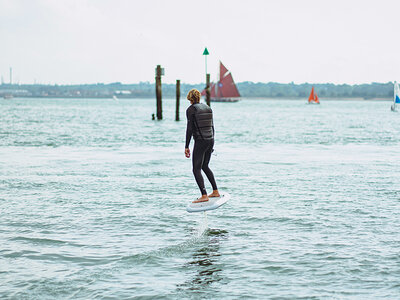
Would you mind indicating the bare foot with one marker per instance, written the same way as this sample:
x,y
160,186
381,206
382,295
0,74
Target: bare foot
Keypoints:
x,y
215,193
203,198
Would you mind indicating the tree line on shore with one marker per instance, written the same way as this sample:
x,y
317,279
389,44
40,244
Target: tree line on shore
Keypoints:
x,y
246,89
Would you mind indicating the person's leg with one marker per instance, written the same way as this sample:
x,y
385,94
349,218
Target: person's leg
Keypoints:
x,y
207,170
197,160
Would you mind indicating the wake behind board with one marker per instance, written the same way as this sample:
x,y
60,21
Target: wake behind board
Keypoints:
x,y
211,204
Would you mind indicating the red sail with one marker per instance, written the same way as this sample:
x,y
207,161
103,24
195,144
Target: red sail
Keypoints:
x,y
316,98
227,87
222,71
212,91
311,97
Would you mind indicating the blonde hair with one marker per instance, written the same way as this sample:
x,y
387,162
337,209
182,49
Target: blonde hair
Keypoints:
x,y
194,96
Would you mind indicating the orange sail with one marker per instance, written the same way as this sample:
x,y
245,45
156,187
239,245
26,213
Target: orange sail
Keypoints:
x,y
313,98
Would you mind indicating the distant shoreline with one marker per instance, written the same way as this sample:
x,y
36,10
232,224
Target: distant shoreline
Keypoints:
x,y
243,98
272,90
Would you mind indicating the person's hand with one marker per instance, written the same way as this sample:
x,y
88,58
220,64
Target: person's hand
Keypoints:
x,y
187,152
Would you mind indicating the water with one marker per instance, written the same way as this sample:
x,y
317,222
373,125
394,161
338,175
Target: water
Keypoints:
x,y
93,196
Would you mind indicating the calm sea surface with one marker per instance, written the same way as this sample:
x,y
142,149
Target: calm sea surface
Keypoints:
x,y
93,196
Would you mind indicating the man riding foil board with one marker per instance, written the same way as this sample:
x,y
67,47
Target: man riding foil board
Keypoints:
x,y
200,124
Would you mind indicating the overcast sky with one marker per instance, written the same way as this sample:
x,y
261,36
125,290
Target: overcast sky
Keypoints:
x,y
90,41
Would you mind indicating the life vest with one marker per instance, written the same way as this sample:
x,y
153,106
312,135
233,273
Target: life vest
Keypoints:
x,y
203,122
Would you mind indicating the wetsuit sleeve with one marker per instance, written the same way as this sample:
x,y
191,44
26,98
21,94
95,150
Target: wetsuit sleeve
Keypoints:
x,y
189,126
213,126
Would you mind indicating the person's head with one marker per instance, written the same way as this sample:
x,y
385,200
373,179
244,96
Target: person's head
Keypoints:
x,y
193,96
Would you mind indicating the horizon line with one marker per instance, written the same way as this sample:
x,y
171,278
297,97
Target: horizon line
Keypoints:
x,y
187,83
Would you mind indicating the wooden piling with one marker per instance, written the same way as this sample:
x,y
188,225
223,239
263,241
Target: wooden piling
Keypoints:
x,y
178,96
208,96
158,92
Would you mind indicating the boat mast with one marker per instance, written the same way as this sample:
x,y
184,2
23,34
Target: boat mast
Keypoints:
x,y
206,53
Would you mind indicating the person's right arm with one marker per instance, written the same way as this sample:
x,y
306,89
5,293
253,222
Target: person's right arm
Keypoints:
x,y
189,130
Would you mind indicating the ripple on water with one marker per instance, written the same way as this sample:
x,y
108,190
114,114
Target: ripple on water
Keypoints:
x,y
94,194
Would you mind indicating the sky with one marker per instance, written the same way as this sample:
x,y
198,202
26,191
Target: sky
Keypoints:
x,y
104,41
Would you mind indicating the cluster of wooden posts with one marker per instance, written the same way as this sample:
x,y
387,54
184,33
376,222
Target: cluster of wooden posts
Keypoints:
x,y
159,73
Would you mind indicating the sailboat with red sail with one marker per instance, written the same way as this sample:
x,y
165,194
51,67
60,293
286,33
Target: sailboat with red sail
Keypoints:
x,y
225,89
313,98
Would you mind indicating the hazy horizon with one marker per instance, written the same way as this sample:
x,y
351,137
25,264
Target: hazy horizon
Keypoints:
x,y
88,42
191,83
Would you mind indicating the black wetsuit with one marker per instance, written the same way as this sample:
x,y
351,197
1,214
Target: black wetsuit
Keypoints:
x,y
200,125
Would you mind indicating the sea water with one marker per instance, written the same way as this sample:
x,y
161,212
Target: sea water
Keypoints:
x,y
93,196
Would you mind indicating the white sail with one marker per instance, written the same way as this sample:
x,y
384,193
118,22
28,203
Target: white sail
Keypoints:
x,y
396,96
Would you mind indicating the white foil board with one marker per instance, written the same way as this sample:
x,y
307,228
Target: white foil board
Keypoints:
x,y
211,204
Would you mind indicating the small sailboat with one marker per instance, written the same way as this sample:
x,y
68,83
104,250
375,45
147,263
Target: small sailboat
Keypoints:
x,y
396,97
313,98
225,90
